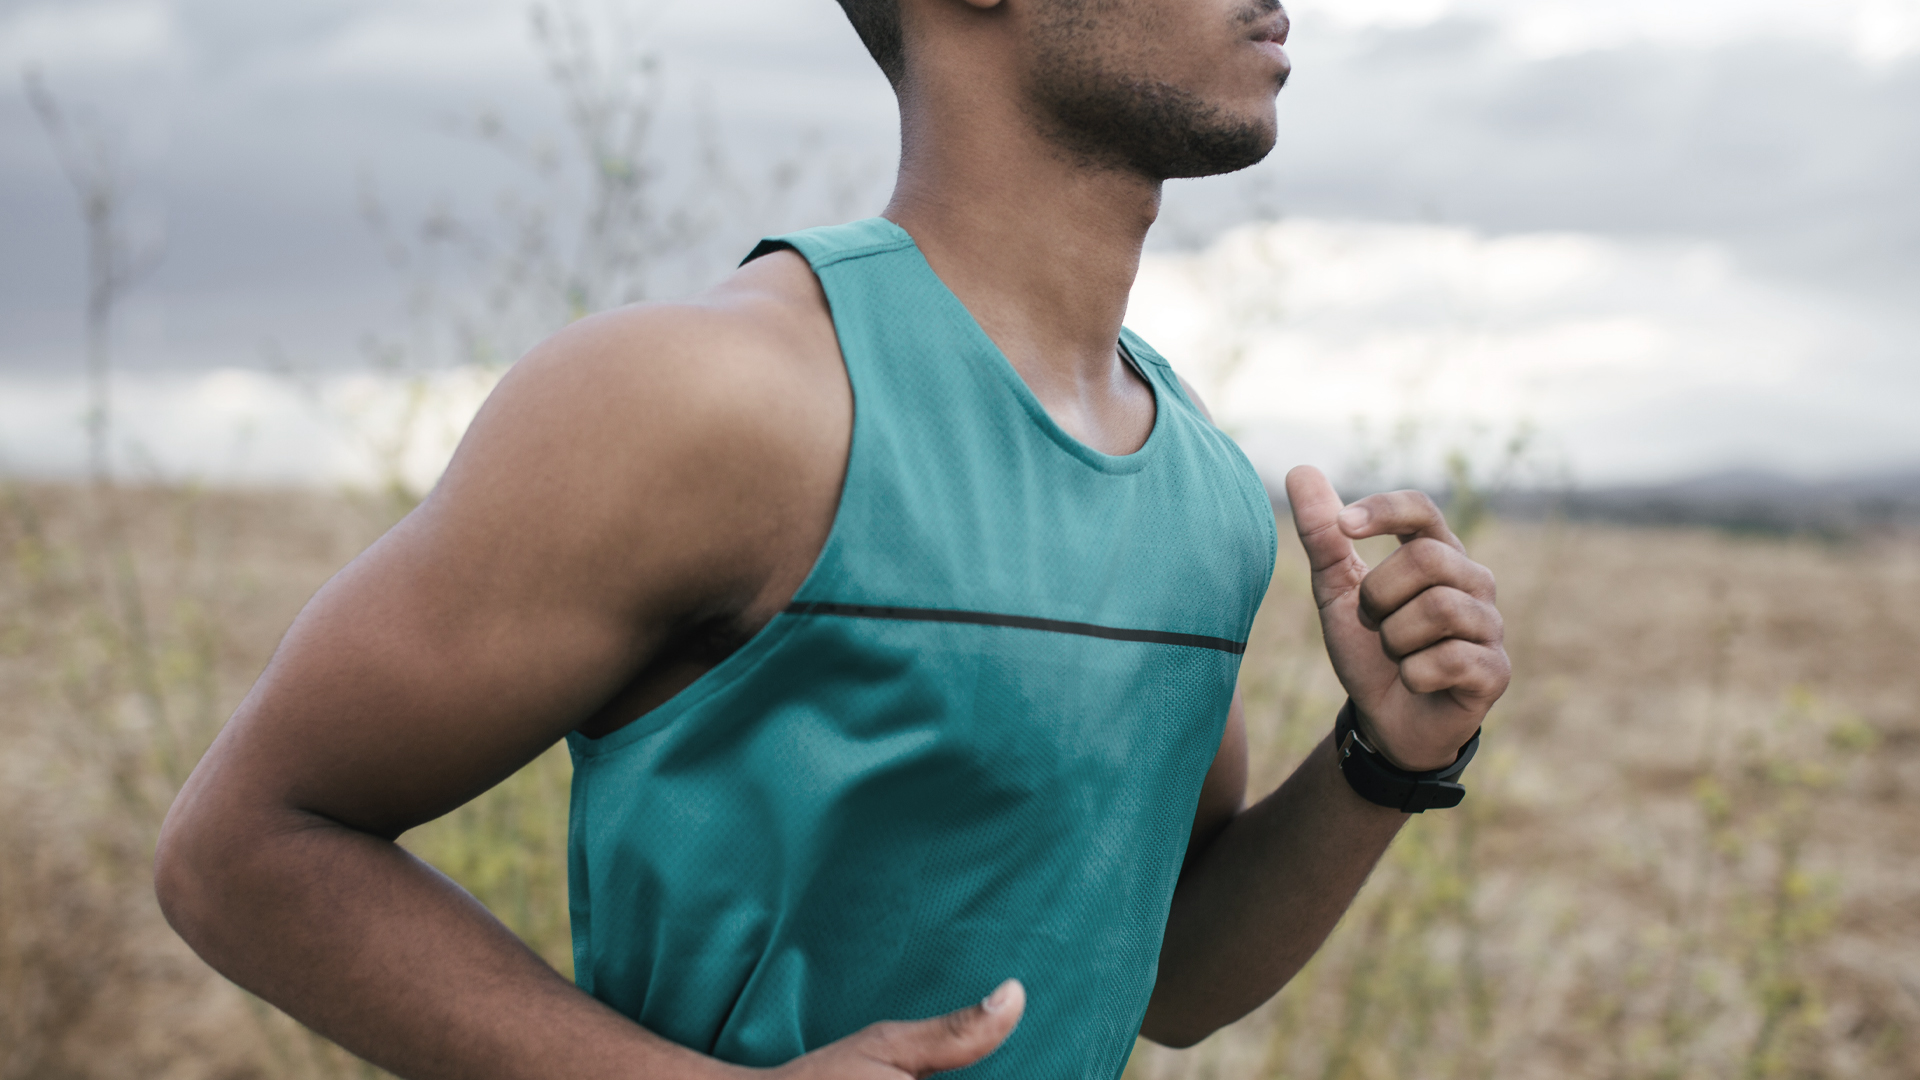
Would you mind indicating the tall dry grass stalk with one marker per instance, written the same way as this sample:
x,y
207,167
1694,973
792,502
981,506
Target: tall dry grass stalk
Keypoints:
x,y
1687,851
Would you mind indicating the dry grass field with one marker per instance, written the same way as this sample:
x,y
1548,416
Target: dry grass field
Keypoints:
x,y
1689,848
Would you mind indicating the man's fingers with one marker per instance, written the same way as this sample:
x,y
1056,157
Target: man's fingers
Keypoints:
x,y
1418,565
954,1041
1471,671
1435,615
1405,514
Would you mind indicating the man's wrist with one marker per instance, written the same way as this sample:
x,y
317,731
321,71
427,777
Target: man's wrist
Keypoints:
x,y
1376,779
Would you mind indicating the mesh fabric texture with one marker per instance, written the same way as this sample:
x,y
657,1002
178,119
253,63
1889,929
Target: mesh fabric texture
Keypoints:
x,y
858,819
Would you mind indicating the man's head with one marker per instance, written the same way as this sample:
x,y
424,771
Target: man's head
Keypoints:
x,y
1165,88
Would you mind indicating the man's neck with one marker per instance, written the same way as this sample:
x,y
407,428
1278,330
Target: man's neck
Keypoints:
x,y
1041,247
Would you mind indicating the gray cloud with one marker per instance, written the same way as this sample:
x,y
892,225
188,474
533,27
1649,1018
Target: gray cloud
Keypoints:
x,y
1796,155
251,127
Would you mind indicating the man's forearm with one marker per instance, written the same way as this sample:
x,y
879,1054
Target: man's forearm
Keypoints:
x,y
371,947
1257,903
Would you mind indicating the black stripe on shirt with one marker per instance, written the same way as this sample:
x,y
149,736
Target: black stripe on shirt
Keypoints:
x,y
1020,622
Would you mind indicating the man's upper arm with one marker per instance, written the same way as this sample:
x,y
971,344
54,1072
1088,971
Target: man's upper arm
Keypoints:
x,y
1223,794
624,480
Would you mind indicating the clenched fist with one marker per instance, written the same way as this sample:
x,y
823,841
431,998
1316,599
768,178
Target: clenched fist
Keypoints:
x,y
1416,641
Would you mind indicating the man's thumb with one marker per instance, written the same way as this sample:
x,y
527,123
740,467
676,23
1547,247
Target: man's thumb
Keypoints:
x,y
1316,517
953,1041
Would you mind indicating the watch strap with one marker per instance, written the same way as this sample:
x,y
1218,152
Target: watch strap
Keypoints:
x,y
1384,784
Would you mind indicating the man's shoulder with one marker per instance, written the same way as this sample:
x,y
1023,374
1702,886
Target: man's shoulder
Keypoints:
x,y
699,443
747,344
735,398
743,383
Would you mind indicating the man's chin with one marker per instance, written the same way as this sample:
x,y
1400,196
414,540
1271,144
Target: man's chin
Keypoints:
x,y
1221,150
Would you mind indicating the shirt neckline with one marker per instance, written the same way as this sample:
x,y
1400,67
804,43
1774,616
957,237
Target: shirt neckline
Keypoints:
x,y
997,362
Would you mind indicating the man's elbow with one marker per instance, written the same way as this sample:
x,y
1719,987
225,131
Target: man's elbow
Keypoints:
x,y
187,870
176,880
1175,1040
1174,1033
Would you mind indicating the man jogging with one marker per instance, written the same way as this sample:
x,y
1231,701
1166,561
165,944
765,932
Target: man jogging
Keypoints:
x,y
891,597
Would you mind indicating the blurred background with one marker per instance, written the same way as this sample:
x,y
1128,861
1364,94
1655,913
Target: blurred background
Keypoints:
x,y
1629,286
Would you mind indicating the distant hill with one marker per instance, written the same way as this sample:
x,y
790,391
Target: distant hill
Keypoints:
x,y
1737,500
1742,500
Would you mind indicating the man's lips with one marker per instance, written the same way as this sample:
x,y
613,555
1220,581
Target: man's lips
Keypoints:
x,y
1277,54
1270,35
1273,29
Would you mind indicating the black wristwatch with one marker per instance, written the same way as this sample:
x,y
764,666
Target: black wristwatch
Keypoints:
x,y
1381,783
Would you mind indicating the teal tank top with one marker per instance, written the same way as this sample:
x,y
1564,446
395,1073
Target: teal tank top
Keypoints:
x,y
970,749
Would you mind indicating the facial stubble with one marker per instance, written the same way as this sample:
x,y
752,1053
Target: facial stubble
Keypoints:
x,y
1092,108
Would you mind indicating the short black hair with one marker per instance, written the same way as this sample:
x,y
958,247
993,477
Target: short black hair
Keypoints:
x,y
878,24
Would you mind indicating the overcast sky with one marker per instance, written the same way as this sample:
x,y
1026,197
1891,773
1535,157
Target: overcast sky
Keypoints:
x,y
1710,206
